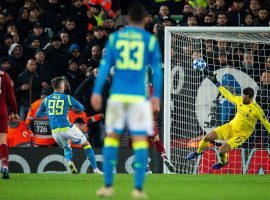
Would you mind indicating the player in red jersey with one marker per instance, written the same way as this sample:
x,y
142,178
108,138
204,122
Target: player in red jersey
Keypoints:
x,y
7,98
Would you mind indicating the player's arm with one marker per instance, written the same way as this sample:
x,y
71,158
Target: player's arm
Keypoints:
x,y
73,103
263,119
226,93
155,62
104,66
41,112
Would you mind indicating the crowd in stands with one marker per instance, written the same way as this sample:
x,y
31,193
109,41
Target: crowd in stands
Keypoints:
x,y
42,39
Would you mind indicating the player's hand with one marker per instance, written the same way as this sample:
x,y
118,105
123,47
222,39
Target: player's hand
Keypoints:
x,y
212,77
155,104
25,87
96,102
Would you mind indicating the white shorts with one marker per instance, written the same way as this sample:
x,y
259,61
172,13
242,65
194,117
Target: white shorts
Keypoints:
x,y
74,134
136,117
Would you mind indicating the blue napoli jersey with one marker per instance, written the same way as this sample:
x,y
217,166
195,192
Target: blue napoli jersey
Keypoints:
x,y
131,50
56,107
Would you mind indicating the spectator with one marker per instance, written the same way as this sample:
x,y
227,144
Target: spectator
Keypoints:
x,y
75,53
74,33
34,15
250,67
94,57
23,24
16,37
211,4
220,6
4,47
43,66
186,12
54,15
74,75
79,13
248,20
192,20
30,49
29,85
15,53
208,20
99,39
164,11
236,13
56,57
2,25
11,28
149,21
108,26
254,8
262,19
5,65
38,32
200,13
65,43
222,19
267,64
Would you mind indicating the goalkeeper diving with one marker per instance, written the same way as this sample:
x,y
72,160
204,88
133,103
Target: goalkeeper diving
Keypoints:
x,y
239,129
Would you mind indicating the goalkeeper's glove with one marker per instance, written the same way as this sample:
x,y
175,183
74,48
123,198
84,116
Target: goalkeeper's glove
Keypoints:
x,y
213,77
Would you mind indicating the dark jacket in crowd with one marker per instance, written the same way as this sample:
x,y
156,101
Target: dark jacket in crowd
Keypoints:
x,y
75,78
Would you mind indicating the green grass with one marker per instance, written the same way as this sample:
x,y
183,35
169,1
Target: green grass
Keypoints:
x,y
167,187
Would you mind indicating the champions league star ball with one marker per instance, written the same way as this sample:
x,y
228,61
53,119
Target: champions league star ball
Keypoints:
x,y
199,64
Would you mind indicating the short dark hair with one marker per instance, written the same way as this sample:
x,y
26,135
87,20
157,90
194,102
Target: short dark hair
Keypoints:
x,y
56,82
248,91
136,13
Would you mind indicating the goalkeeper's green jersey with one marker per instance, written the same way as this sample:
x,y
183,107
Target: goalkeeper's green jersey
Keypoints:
x,y
247,114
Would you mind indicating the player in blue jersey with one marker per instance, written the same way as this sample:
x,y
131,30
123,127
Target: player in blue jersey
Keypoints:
x,y
131,51
56,107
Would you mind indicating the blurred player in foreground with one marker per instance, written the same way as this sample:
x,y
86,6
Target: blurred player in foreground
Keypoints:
x,y
56,108
239,129
7,98
131,50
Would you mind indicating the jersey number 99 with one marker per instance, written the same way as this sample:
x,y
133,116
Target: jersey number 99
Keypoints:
x,y
131,54
56,107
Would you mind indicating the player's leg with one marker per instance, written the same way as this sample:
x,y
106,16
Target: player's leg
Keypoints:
x,y
4,153
223,153
160,148
115,124
140,124
61,139
203,143
90,154
232,143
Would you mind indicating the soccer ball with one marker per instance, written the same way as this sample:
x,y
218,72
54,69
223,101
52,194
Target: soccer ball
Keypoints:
x,y
199,64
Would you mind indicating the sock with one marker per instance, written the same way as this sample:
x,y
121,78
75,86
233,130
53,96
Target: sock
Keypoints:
x,y
4,155
224,158
159,147
68,153
110,152
89,152
140,162
202,145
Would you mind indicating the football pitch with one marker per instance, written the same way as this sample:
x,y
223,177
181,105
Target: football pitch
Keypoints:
x,y
158,186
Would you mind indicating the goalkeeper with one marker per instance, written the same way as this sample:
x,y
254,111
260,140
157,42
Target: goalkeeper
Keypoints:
x,y
239,129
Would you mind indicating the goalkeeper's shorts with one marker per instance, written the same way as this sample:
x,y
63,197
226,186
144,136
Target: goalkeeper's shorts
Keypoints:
x,y
233,137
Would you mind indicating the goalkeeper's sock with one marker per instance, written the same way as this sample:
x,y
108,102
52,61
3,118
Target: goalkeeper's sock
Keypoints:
x,y
68,153
140,162
202,145
224,158
89,152
110,152
4,155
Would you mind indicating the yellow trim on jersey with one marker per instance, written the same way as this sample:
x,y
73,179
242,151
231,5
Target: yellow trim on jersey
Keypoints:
x,y
152,43
88,147
127,98
140,145
69,100
226,93
111,142
60,130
